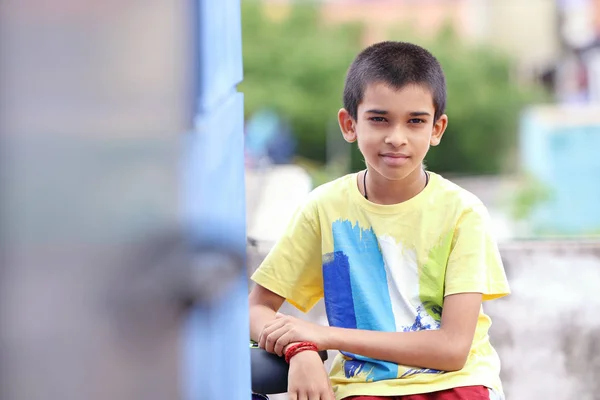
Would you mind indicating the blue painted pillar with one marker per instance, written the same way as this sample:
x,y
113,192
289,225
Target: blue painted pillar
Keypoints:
x,y
216,353
562,154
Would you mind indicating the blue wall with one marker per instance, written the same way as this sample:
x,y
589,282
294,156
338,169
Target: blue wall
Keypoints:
x,y
559,147
217,358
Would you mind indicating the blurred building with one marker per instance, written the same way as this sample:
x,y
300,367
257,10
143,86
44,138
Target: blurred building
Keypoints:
x,y
575,78
526,30
555,41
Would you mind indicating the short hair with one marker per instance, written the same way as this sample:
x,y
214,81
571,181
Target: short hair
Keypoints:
x,y
397,64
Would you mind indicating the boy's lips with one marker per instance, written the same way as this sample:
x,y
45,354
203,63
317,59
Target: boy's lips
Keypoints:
x,y
395,155
394,159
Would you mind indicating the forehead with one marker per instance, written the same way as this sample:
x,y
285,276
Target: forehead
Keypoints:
x,y
411,97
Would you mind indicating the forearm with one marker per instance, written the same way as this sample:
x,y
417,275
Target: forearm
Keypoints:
x,y
260,315
434,349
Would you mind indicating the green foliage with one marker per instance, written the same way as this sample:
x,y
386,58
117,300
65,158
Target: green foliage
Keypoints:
x,y
297,67
483,107
530,194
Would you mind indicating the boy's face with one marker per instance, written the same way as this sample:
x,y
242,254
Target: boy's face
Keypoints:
x,y
394,129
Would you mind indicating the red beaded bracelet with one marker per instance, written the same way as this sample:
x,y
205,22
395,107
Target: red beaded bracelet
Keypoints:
x,y
299,348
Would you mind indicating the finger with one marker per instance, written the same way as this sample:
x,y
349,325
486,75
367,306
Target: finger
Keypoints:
x,y
274,324
314,395
330,388
325,393
330,395
292,396
283,341
267,330
303,396
262,338
273,337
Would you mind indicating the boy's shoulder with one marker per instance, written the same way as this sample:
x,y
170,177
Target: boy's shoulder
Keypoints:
x,y
447,191
335,190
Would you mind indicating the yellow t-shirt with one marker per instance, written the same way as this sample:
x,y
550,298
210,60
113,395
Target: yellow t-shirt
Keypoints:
x,y
388,268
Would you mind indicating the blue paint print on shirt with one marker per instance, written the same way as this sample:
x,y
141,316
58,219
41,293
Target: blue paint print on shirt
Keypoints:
x,y
357,261
339,304
420,321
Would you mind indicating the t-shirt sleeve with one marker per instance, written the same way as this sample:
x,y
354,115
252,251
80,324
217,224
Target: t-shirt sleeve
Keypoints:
x,y
474,264
292,269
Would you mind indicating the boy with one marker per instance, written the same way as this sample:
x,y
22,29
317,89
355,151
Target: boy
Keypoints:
x,y
402,257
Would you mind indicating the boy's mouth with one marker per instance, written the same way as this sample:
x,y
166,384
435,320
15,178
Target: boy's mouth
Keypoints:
x,y
394,159
394,155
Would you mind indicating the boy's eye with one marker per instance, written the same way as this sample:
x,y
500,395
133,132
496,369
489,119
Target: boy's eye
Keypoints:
x,y
416,121
377,119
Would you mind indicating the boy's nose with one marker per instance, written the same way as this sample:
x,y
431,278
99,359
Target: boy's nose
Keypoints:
x,y
396,138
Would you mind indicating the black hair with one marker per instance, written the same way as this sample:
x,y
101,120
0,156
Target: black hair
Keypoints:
x,y
397,64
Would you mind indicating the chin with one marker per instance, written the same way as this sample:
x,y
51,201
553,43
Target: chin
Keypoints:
x,y
393,174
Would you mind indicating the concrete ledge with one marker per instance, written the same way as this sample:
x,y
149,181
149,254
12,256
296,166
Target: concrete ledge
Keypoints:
x,y
547,332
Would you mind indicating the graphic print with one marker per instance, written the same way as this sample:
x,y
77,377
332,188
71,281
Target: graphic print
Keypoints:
x,y
372,283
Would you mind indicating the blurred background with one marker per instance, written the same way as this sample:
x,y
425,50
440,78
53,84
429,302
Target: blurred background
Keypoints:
x,y
524,128
151,152
523,94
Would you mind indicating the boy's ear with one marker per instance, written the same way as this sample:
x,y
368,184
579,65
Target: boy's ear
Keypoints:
x,y
347,125
439,127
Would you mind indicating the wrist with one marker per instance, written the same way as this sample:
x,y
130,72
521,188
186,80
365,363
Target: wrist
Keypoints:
x,y
306,357
286,348
298,348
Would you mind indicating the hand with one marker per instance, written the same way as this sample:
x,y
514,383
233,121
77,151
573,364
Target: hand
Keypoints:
x,y
284,329
307,378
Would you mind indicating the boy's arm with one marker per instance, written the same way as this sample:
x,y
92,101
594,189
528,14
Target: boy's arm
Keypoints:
x,y
307,375
264,305
445,349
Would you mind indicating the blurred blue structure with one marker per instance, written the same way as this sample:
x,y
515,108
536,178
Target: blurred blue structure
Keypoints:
x,y
261,128
269,136
122,245
217,358
559,148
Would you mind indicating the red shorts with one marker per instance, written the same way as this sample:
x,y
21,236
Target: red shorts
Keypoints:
x,y
460,393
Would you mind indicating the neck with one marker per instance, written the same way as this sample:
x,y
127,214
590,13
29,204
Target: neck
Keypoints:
x,y
383,191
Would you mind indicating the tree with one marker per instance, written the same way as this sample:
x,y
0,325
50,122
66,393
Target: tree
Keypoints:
x,y
297,67
484,106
